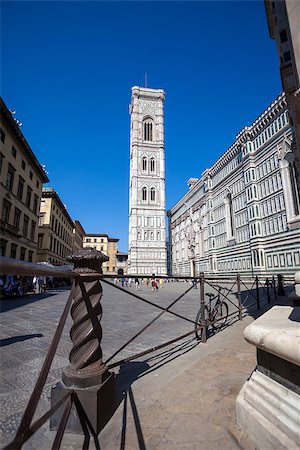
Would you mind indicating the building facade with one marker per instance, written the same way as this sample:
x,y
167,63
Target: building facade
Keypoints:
x,y
21,179
78,236
242,214
122,259
55,235
147,211
107,245
284,27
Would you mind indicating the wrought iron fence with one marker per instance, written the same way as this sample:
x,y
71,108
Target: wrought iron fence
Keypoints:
x,y
86,369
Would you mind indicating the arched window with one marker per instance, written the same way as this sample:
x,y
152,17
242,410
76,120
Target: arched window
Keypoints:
x,y
152,236
158,235
152,165
139,235
144,194
152,195
148,130
144,163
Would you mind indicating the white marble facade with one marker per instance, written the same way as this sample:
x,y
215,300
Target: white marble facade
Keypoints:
x,y
242,214
147,252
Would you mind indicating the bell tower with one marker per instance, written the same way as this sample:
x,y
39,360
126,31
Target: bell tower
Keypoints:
x,y
147,252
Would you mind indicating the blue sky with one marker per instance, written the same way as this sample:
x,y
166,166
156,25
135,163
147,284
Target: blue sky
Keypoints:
x,y
68,68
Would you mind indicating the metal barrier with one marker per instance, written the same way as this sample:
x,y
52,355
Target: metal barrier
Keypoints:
x,y
87,375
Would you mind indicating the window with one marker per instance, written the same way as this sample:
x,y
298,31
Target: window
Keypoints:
x,y
30,175
23,165
2,136
148,130
1,161
25,225
20,188
95,240
144,163
32,231
144,194
41,219
101,240
6,211
287,56
14,151
35,203
152,195
3,243
10,177
30,256
37,184
88,240
13,251
152,165
28,196
17,217
22,253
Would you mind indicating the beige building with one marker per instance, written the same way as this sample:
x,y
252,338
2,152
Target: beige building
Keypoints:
x,y
78,235
55,238
122,259
107,245
21,179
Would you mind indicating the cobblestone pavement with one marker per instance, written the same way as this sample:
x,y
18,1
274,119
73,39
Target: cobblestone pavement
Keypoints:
x,y
27,326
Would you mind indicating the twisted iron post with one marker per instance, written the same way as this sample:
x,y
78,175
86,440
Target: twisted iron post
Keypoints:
x,y
86,367
202,310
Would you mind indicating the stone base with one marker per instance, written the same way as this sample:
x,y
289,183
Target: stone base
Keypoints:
x,y
269,414
98,403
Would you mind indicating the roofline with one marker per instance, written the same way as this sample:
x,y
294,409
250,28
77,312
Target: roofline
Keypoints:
x,y
79,224
113,239
96,235
6,114
50,192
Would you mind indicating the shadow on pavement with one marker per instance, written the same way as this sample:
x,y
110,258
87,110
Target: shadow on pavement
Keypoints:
x,y
23,337
129,372
7,304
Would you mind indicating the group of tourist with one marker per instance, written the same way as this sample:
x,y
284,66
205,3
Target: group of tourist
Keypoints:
x,y
137,282
12,285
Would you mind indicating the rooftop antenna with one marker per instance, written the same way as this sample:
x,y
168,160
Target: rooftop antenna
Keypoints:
x,y
145,79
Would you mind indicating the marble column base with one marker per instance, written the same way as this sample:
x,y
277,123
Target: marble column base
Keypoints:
x,y
269,413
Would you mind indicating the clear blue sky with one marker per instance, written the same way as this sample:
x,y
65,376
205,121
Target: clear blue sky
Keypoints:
x,y
68,69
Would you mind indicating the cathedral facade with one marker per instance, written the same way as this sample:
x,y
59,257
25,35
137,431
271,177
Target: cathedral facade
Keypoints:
x,y
242,214
147,253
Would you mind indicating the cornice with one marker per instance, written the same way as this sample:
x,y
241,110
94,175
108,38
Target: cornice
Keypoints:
x,y
51,193
6,115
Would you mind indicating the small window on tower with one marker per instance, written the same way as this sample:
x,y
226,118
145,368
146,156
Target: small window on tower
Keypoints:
x,y
148,130
144,163
152,165
144,194
152,195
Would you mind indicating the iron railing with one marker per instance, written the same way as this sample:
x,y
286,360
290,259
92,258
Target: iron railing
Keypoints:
x,y
86,368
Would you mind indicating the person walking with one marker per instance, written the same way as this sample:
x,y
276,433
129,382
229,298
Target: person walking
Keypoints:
x,y
137,283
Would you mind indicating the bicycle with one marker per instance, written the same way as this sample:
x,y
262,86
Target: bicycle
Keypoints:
x,y
212,314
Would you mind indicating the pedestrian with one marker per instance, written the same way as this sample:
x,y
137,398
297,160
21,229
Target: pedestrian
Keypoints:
x,y
137,283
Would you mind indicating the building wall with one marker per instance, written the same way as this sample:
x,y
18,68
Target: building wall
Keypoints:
x,y
112,252
242,215
147,230
21,179
122,259
284,26
78,236
55,238
100,243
